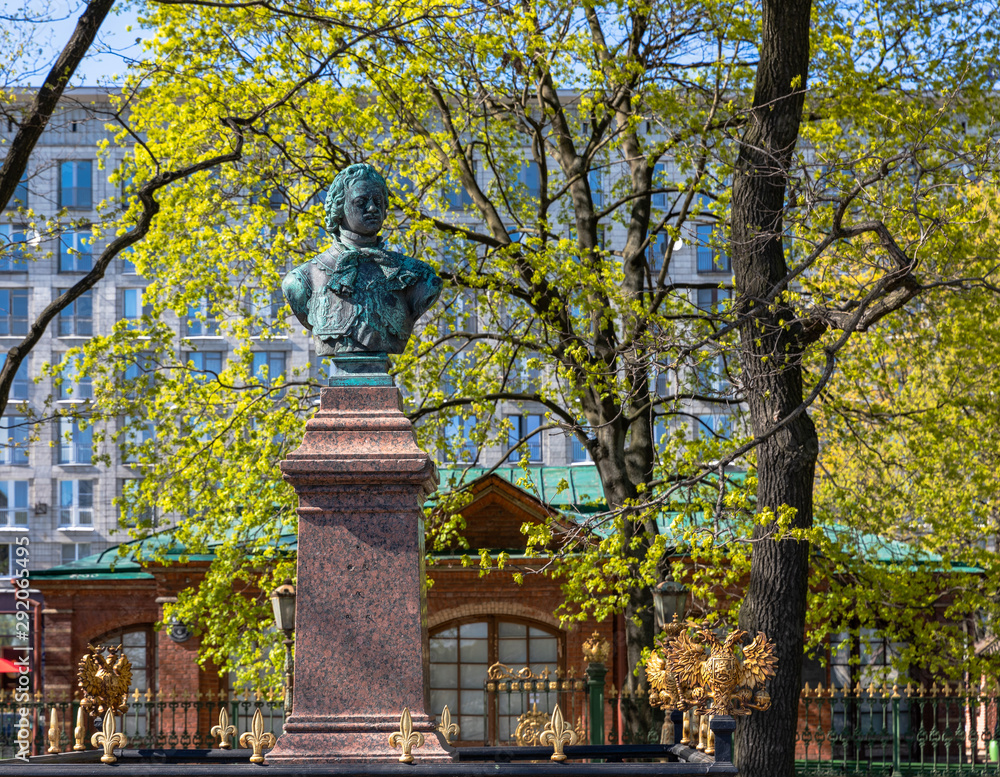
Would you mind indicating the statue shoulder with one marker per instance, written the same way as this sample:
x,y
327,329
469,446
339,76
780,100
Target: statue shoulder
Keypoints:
x,y
411,264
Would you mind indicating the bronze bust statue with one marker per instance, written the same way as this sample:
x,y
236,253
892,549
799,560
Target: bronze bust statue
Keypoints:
x,y
356,297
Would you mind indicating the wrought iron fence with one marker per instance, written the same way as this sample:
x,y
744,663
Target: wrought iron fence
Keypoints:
x,y
898,730
164,720
627,708
519,702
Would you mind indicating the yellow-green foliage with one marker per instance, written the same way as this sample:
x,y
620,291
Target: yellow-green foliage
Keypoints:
x,y
425,90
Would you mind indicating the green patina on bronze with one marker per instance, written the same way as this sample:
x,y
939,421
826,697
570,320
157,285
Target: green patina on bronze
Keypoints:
x,y
357,297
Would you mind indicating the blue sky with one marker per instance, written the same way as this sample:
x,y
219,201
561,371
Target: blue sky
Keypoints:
x,y
45,26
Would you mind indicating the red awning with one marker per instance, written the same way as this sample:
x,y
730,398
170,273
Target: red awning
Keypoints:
x,y
7,666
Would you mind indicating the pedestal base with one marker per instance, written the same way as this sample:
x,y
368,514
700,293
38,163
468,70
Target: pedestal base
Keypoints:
x,y
360,620
354,738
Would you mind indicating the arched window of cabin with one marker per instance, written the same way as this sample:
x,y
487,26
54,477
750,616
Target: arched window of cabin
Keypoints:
x,y
461,653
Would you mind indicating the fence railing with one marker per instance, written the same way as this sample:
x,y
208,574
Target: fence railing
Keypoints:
x,y
164,720
885,730
517,703
898,730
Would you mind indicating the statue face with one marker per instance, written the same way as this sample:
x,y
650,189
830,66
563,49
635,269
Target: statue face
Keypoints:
x,y
364,209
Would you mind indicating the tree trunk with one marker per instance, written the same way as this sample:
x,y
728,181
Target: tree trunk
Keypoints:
x,y
618,471
772,367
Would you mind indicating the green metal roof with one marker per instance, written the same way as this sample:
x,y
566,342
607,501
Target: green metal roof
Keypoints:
x,y
113,564
583,492
572,490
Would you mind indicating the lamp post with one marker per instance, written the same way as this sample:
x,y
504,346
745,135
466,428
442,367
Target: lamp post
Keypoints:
x,y
669,601
283,604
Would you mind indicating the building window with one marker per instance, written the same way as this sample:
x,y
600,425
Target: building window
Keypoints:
x,y
75,251
521,427
658,199
13,633
864,659
268,366
206,365
596,188
13,245
461,315
714,427
137,372
76,503
6,563
77,318
15,435
13,502
20,199
531,177
75,386
657,253
76,442
130,306
263,306
460,657
13,312
21,386
709,258
201,321
76,185
74,551
458,437
129,514
710,300
581,453
128,266
710,376
460,199
139,646
134,438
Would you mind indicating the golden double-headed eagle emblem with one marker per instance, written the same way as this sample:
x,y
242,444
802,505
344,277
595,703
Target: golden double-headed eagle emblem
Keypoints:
x,y
712,677
105,680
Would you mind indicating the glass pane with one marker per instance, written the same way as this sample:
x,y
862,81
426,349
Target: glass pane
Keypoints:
x,y
441,697
544,650
473,702
444,675
472,727
473,676
508,629
474,650
480,629
444,650
513,652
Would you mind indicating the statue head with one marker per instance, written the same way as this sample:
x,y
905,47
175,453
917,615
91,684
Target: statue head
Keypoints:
x,y
340,189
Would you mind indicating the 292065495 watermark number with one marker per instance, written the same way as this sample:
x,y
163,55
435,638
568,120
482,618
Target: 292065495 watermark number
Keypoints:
x,y
22,692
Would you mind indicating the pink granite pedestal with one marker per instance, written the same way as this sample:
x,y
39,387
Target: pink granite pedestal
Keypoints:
x,y
360,620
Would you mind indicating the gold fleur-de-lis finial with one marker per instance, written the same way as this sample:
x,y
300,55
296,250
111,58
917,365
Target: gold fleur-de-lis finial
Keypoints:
x,y
108,738
557,733
53,732
406,738
80,732
224,730
449,730
256,738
